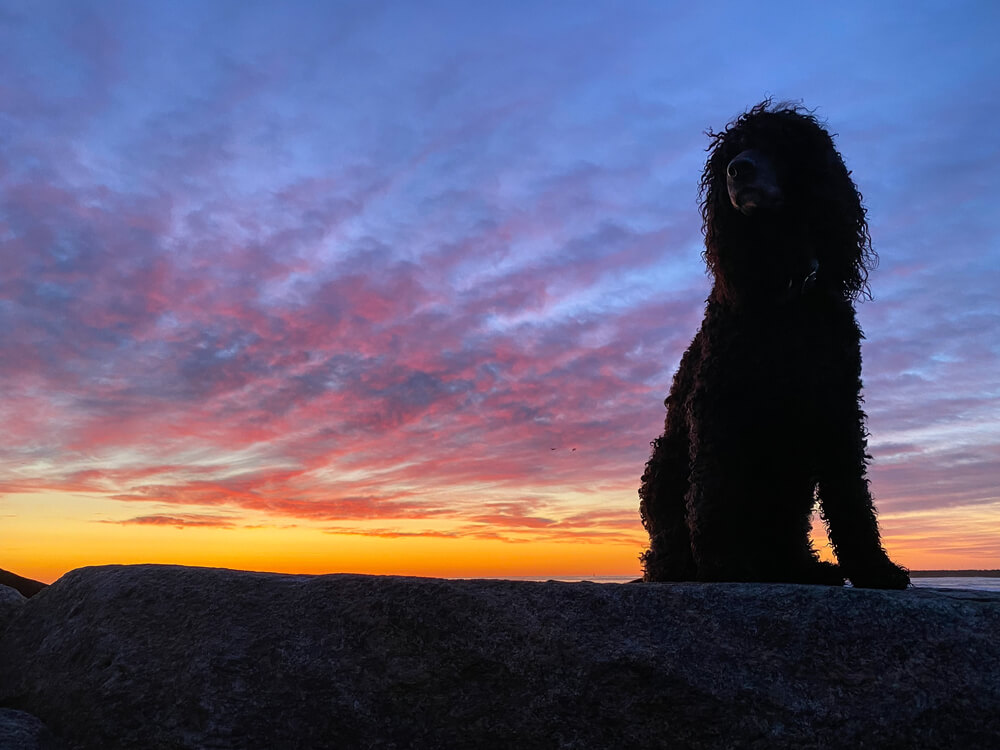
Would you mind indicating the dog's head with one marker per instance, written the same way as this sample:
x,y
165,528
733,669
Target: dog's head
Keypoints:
x,y
782,216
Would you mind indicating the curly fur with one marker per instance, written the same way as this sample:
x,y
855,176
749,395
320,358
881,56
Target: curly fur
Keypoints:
x,y
764,416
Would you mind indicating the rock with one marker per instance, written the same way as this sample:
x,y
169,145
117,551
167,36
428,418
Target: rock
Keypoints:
x,y
26,586
11,603
172,657
21,731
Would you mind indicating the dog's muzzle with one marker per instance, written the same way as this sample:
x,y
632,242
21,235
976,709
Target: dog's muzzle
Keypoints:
x,y
752,183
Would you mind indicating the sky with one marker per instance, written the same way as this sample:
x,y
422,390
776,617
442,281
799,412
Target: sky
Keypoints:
x,y
400,287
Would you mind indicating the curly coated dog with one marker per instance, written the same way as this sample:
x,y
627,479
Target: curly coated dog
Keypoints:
x,y
764,416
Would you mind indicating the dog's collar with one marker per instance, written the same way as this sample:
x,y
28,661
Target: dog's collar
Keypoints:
x,y
799,288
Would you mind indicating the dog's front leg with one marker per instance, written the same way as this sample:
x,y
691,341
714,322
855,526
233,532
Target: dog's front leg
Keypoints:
x,y
847,508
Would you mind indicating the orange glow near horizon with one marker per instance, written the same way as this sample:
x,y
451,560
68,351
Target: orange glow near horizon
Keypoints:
x,y
43,540
46,544
311,552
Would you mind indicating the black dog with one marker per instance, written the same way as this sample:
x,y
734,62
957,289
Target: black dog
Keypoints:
x,y
764,416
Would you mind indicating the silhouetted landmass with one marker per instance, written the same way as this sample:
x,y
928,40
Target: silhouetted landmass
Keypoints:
x,y
174,657
26,586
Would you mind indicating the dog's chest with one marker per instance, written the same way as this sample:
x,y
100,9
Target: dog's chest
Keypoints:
x,y
779,355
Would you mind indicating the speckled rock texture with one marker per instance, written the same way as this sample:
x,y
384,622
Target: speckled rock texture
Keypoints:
x,y
11,602
170,657
22,731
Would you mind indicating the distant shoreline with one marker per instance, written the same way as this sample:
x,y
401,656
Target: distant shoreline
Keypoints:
x,y
29,587
955,574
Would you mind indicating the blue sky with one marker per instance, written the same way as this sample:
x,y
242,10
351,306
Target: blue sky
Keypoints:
x,y
396,269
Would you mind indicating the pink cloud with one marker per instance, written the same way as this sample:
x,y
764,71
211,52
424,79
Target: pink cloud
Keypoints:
x,y
186,520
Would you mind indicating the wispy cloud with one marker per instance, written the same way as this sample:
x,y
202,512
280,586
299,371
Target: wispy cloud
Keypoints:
x,y
181,521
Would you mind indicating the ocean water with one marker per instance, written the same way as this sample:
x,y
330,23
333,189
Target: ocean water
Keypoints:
x,y
975,583
972,582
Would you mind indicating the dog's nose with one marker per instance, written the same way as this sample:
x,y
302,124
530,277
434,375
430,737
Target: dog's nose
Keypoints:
x,y
741,168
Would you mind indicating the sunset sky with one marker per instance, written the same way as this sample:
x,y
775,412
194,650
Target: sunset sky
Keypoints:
x,y
400,287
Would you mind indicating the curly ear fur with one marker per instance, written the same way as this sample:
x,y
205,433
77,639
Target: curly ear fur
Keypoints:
x,y
823,202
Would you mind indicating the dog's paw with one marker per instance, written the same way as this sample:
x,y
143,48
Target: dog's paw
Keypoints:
x,y
883,574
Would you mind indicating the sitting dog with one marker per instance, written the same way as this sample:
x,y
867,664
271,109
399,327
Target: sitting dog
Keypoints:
x,y
764,416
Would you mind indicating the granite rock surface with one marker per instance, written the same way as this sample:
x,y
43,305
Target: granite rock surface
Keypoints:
x,y
22,731
11,602
174,657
